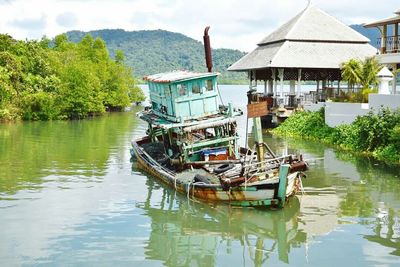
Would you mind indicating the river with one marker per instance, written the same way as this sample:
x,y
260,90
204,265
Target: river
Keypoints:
x,y
69,196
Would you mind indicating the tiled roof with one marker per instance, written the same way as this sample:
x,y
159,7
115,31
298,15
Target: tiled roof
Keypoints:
x,y
312,39
313,24
302,55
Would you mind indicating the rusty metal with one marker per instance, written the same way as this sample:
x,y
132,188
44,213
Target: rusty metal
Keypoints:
x,y
235,195
298,166
207,49
232,182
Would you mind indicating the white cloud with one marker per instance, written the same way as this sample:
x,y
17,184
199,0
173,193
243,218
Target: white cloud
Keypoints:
x,y
67,19
234,23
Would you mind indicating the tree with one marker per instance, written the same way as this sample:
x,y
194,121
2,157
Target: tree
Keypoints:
x,y
119,57
351,72
369,72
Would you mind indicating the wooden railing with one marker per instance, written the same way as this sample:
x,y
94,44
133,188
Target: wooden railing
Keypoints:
x,y
389,44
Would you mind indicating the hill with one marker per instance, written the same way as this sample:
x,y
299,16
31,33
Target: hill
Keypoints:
x,y
149,52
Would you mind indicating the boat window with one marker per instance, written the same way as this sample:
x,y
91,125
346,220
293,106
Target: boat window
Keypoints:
x,y
167,90
181,89
196,88
209,85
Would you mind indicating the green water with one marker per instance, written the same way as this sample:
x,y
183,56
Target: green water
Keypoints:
x,y
69,196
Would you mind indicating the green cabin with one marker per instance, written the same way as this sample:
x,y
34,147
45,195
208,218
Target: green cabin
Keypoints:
x,y
186,119
181,95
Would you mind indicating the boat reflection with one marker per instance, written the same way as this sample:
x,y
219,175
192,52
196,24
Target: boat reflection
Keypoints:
x,y
186,233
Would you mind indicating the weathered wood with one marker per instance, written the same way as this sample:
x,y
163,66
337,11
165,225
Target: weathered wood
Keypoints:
x,y
257,109
215,162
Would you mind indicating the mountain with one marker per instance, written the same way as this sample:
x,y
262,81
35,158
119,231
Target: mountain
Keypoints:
x,y
155,51
371,33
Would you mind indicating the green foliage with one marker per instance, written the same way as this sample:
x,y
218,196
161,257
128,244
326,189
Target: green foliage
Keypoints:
x,y
305,124
66,80
377,134
364,75
351,72
149,52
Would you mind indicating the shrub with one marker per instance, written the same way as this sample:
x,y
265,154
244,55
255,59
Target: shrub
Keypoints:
x,y
376,134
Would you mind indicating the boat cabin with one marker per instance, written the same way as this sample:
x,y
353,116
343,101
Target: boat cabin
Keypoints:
x,y
185,119
181,95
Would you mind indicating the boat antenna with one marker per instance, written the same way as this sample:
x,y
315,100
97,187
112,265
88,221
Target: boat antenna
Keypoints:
x,y
309,3
207,49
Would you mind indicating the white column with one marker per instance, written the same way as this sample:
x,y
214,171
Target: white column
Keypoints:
x,y
281,81
384,86
292,86
394,79
384,76
275,84
298,83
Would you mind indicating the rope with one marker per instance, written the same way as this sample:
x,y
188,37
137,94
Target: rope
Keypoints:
x,y
193,186
220,97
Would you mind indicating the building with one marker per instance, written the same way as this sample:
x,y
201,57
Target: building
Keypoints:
x,y
389,43
309,47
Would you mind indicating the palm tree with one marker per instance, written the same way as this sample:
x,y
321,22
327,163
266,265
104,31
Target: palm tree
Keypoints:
x,y
370,68
351,72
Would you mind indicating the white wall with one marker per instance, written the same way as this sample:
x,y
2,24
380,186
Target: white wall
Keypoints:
x,y
343,113
376,101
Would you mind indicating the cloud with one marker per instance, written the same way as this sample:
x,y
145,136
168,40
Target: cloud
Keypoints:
x,y
30,23
3,2
67,19
234,23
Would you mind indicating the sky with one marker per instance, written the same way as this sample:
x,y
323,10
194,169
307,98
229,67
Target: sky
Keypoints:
x,y
236,24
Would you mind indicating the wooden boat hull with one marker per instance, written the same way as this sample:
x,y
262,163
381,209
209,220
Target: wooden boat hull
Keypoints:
x,y
250,195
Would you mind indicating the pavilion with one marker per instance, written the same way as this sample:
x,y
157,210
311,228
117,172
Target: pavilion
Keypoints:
x,y
309,47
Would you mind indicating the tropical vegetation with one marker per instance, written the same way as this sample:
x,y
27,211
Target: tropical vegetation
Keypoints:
x,y
361,75
156,51
44,80
375,134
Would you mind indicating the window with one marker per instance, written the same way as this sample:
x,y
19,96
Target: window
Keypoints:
x,y
167,91
181,89
196,88
209,85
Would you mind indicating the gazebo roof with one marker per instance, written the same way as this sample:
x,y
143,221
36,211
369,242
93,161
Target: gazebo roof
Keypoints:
x,y
313,24
312,39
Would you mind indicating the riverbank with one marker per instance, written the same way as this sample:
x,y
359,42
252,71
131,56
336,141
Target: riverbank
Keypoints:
x,y
374,135
58,79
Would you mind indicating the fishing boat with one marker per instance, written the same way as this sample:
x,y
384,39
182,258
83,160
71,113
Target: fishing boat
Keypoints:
x,y
191,144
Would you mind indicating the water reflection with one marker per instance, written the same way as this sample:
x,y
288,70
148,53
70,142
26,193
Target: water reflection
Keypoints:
x,y
69,197
186,233
366,190
32,153
350,206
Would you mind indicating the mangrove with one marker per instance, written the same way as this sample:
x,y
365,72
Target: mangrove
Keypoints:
x,y
58,79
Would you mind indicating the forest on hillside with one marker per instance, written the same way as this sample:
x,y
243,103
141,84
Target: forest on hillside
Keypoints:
x,y
45,80
150,52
